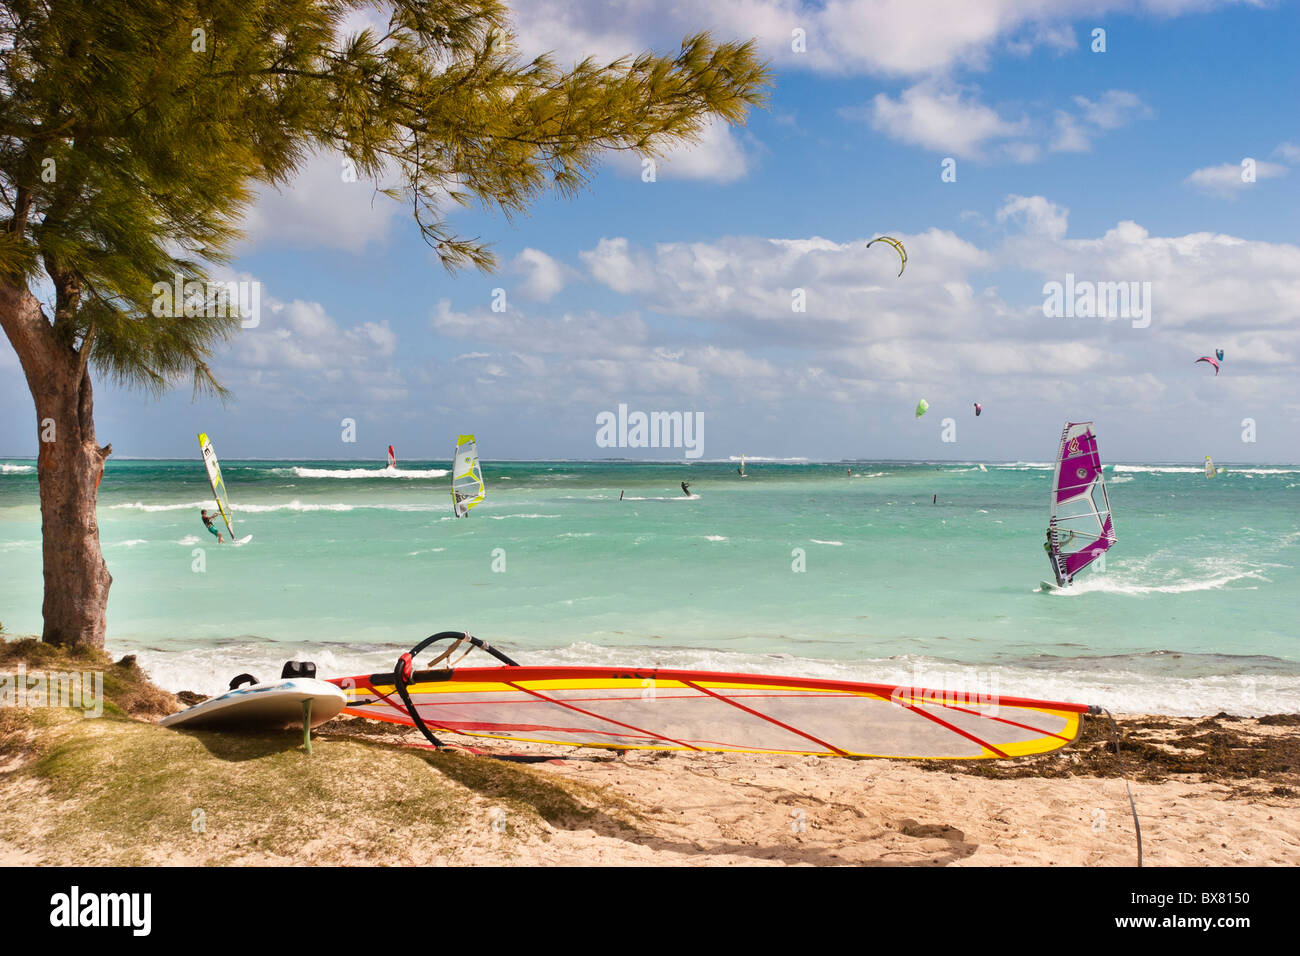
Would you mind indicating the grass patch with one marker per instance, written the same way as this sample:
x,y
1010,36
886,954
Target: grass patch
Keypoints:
x,y
118,790
127,689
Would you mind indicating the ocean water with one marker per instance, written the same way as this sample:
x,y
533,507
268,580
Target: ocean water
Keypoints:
x,y
348,565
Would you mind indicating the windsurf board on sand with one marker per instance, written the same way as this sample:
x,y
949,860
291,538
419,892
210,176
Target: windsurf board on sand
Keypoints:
x,y
271,705
655,708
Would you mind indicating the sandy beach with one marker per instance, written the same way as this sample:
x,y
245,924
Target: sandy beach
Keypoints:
x,y
1218,791
1065,809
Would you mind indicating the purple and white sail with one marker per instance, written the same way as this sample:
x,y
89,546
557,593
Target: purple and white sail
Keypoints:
x,y
1081,529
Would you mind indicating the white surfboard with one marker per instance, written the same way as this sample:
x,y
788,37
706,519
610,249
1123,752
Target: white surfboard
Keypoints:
x,y
271,705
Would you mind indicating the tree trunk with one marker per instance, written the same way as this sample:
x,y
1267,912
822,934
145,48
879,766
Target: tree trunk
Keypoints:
x,y
69,467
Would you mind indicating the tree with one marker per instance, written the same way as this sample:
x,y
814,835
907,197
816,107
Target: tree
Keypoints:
x,y
133,134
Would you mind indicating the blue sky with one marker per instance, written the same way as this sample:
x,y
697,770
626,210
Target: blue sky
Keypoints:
x,y
674,295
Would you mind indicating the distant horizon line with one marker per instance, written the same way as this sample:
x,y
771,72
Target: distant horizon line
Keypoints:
x,y
693,461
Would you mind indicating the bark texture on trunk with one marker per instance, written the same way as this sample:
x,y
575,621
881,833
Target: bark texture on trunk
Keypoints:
x,y
69,468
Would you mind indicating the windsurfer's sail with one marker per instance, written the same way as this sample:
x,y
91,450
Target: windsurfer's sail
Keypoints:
x,y
1210,470
742,466
663,709
466,477
392,457
214,478
1081,529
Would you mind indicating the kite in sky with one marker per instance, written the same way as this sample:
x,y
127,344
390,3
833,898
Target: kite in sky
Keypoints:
x,y
898,247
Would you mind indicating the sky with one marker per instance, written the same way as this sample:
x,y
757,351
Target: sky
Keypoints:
x,y
1007,145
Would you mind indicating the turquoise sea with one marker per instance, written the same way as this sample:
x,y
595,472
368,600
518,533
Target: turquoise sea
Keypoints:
x,y
349,564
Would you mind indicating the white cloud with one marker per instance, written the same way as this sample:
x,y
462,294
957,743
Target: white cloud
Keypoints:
x,y
1288,151
951,120
716,156
1114,109
299,353
947,121
615,264
1226,180
713,328
544,276
319,209
584,333
1070,134
1038,216
844,37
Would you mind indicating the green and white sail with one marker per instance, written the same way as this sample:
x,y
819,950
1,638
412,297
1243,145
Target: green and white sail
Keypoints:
x,y
214,478
466,477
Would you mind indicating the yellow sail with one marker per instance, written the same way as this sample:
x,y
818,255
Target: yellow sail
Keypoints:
x,y
214,478
466,477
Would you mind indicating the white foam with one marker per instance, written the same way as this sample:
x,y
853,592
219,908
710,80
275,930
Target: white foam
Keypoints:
x,y
504,517
691,497
365,472
1120,689
1160,469
294,505
132,542
715,537
837,544
1112,583
16,469
191,505
1258,471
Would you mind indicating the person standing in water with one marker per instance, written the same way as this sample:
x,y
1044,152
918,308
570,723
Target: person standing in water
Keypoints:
x,y
207,523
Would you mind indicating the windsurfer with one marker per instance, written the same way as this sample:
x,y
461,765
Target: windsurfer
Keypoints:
x,y
207,523
1051,559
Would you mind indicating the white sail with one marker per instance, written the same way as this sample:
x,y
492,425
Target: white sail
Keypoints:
x,y
466,477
